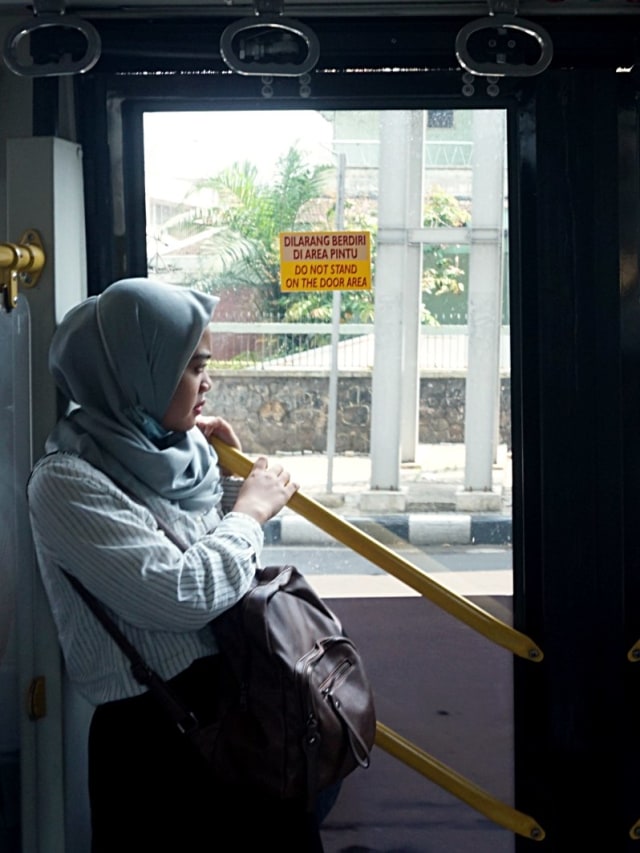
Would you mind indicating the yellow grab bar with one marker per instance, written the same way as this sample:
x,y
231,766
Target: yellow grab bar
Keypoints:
x,y
386,738
457,606
462,788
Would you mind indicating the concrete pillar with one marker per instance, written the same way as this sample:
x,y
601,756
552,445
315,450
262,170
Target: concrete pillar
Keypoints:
x,y
390,277
412,293
484,312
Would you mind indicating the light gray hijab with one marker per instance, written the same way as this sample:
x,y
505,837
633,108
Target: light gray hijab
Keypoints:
x,y
119,358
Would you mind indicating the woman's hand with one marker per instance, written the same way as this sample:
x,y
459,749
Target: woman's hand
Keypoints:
x,y
221,429
265,491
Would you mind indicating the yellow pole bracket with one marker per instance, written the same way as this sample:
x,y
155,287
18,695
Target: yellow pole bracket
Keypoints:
x,y
20,265
634,652
456,605
455,784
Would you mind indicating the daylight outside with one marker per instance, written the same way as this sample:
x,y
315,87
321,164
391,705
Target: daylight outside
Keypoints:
x,y
220,188
351,389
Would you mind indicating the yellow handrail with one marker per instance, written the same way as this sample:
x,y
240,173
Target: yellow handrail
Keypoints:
x,y
386,738
457,606
462,788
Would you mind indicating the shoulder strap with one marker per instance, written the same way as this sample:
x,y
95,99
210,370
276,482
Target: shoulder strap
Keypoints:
x,y
140,669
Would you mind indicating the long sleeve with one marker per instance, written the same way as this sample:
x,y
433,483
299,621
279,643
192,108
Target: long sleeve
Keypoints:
x,y
162,597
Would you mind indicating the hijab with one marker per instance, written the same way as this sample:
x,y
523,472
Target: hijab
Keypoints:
x,y
118,359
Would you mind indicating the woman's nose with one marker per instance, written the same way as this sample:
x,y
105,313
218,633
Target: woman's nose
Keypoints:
x,y
205,385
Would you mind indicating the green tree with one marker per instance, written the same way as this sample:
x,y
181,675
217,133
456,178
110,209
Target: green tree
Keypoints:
x,y
245,219
243,223
441,273
249,215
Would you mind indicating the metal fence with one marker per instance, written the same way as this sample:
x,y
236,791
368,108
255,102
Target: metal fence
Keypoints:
x,y
309,346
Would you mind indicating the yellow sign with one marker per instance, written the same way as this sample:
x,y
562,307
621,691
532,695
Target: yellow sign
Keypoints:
x,y
325,260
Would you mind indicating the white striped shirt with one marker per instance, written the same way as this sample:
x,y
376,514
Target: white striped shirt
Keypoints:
x,y
161,597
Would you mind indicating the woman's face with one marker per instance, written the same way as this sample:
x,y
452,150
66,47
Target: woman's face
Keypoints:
x,y
188,400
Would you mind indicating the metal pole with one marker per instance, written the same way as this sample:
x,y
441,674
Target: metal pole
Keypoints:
x,y
335,338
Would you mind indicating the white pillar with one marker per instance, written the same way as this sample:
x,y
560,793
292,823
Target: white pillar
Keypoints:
x,y
412,293
390,276
485,309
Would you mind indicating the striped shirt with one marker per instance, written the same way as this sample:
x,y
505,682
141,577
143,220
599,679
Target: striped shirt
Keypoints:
x,y
161,597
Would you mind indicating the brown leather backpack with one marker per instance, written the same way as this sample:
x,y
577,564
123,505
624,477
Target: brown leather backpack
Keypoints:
x,y
295,708
299,712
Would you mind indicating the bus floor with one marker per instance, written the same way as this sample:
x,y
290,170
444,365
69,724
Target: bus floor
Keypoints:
x,y
448,690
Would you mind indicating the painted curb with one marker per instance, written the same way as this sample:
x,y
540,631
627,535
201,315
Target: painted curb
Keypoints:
x,y
415,528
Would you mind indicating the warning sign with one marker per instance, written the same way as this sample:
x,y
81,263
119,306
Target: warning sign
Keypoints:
x,y
325,260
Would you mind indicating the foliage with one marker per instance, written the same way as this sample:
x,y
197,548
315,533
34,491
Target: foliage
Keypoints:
x,y
441,273
444,210
244,216
249,215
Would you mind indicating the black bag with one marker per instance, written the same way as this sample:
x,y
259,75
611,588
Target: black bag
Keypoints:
x,y
300,714
296,710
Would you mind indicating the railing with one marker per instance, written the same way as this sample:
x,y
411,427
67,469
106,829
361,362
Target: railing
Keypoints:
x,y
457,606
438,153
307,346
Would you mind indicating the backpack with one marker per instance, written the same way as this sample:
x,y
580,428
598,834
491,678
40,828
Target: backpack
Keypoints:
x,y
298,710
295,707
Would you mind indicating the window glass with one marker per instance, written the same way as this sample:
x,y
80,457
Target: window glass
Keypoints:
x,y
430,188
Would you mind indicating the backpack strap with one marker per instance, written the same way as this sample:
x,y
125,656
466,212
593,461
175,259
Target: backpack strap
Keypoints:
x,y
140,669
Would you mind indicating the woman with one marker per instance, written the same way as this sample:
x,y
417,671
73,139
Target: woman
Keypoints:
x,y
130,457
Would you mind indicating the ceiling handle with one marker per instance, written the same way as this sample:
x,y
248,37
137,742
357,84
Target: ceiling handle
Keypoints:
x,y
503,46
14,51
270,45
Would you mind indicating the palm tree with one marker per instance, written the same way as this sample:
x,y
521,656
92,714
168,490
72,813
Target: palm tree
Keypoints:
x,y
248,216
243,217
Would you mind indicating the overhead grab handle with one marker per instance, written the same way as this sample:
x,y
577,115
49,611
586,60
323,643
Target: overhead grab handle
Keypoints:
x,y
457,606
17,54
504,46
270,45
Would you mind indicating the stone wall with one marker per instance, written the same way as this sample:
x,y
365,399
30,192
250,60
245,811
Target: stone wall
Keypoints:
x,y
288,410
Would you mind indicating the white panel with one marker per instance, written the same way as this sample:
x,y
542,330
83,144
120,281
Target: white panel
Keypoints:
x,y
45,193
15,551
